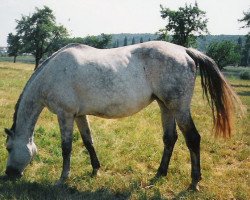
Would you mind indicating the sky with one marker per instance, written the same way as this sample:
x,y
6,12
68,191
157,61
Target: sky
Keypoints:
x,y
93,17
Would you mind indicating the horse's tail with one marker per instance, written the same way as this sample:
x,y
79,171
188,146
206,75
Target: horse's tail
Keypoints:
x,y
223,100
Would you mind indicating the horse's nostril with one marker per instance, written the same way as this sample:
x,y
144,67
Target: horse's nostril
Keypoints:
x,y
12,172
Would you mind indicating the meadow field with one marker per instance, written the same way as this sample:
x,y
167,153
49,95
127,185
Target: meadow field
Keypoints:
x,y
129,150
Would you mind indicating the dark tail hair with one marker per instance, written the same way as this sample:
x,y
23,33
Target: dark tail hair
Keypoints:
x,y
220,95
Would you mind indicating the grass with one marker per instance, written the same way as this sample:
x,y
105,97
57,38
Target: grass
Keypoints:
x,y
235,72
129,150
22,59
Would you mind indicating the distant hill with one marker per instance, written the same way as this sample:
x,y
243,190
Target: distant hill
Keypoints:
x,y
202,42
118,39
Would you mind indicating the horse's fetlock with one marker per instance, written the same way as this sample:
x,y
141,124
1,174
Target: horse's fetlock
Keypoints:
x,y
162,172
170,140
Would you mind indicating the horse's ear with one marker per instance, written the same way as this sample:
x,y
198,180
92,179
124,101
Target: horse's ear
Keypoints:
x,y
9,132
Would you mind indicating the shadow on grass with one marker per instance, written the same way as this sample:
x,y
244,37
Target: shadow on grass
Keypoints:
x,y
184,194
240,85
22,189
32,190
11,69
244,93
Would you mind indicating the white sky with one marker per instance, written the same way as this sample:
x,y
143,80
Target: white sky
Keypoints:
x,y
92,17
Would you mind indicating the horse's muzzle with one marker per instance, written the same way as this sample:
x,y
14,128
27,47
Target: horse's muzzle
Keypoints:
x,y
13,173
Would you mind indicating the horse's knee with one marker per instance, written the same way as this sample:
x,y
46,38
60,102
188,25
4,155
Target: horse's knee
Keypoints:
x,y
187,127
66,148
169,139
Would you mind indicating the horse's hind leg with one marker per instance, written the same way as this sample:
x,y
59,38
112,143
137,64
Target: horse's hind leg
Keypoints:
x,y
169,138
82,124
192,137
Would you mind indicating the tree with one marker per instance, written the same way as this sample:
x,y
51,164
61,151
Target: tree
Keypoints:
x,y
185,24
246,49
38,32
14,45
141,40
163,35
246,19
125,43
240,42
245,60
100,42
117,44
133,40
224,53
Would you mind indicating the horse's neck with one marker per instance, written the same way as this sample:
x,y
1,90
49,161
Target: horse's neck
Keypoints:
x,y
28,113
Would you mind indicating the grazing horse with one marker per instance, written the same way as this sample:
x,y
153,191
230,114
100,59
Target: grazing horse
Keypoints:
x,y
79,80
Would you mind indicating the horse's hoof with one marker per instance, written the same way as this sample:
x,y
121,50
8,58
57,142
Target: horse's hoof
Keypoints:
x,y
9,178
160,174
194,187
60,182
156,178
95,173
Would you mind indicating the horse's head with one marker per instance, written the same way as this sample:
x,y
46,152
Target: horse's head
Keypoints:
x,y
21,153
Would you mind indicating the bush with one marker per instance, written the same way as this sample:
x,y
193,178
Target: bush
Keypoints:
x,y
245,75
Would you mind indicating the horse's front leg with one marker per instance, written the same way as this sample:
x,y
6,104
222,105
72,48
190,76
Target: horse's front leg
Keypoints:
x,y
66,123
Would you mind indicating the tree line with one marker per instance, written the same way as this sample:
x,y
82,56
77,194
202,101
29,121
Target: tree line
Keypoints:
x,y
39,35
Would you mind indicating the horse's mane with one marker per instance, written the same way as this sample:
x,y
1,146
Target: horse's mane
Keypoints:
x,y
33,76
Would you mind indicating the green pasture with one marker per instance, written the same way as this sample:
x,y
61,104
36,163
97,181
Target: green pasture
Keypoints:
x,y
129,150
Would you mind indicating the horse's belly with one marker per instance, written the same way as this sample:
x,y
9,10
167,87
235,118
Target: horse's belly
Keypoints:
x,y
116,105
118,110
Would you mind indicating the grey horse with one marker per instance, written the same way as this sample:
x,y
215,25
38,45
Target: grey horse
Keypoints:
x,y
79,80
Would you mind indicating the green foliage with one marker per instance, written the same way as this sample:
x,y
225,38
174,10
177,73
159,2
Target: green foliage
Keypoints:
x,y
14,45
245,75
116,43
38,32
125,42
246,49
245,52
141,40
185,23
100,42
224,53
246,19
61,42
202,42
118,39
163,35
133,41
